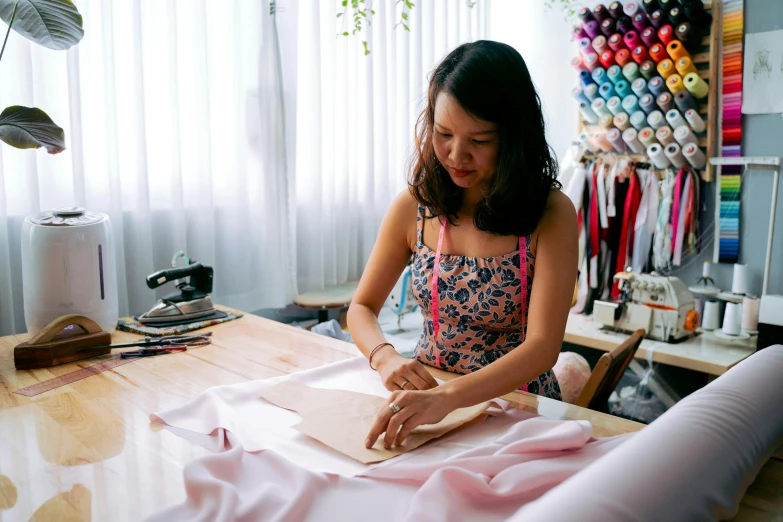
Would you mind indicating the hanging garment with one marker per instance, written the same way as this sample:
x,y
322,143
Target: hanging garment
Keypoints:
x,y
682,217
662,239
644,227
625,245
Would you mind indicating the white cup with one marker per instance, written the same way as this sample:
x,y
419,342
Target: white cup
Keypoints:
x,y
732,318
711,316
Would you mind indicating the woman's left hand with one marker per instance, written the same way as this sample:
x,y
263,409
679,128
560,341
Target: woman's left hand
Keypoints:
x,y
414,408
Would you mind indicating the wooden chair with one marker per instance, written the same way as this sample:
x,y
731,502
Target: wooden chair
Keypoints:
x,y
607,373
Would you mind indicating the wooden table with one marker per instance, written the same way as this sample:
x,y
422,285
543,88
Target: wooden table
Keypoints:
x,y
87,451
704,353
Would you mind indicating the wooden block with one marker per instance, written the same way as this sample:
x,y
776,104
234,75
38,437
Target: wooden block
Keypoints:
x,y
50,347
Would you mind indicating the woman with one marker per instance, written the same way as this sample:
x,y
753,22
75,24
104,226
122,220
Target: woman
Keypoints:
x,y
482,196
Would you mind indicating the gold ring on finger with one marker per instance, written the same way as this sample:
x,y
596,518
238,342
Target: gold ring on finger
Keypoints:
x,y
404,383
394,407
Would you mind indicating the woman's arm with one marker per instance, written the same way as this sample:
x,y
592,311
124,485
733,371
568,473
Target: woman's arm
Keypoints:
x,y
550,300
389,256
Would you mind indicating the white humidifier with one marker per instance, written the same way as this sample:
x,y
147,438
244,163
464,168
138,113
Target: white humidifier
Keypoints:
x,y
68,267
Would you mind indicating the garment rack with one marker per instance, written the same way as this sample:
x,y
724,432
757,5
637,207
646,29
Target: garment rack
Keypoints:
x,y
766,163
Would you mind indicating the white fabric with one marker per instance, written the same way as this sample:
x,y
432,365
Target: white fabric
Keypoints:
x,y
644,226
681,217
173,118
692,463
662,240
257,424
611,209
355,122
602,196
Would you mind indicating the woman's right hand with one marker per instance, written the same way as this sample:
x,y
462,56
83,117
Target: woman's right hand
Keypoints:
x,y
399,373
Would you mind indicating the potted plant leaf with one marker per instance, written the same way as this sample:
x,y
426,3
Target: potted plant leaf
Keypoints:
x,y
55,24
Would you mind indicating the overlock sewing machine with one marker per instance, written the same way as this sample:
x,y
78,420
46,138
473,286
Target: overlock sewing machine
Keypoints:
x,y
662,305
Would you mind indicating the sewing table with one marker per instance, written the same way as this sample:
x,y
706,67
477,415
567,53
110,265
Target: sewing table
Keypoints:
x,y
88,451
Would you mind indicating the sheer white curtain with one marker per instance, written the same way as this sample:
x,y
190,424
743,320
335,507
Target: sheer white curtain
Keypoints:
x,y
174,120
355,122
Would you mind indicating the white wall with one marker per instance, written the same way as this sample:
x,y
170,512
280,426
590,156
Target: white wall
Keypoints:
x,y
543,38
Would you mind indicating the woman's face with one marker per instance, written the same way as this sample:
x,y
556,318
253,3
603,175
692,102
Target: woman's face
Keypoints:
x,y
466,146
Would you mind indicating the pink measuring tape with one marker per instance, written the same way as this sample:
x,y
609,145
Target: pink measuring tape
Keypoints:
x,y
436,297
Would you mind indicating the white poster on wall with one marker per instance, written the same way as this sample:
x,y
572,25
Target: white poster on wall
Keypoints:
x,y
763,73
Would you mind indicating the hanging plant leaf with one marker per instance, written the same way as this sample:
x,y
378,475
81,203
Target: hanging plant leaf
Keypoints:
x,y
30,128
55,24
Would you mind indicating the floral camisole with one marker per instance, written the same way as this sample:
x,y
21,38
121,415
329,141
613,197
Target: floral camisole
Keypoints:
x,y
480,313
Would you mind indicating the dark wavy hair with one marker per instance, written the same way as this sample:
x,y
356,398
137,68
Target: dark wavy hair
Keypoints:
x,y
491,82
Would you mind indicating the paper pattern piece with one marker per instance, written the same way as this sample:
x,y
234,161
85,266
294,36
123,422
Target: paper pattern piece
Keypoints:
x,y
763,73
342,419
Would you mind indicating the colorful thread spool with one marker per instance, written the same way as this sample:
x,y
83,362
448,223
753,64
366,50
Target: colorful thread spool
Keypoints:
x,y
579,95
577,64
588,114
640,54
696,86
638,120
600,12
606,90
599,107
666,5
615,137
615,105
657,157
591,61
699,18
640,21
665,34
591,91
579,32
655,119
676,16
639,87
689,36
631,104
656,85
685,66
586,77
684,135
650,36
616,42
631,71
605,121
647,136
674,154
586,142
607,59
685,101
658,18
600,44
658,53
694,120
664,135
665,101
599,137
622,121
616,10
675,119
674,83
599,75
647,103
649,5
623,88
622,57
647,69
665,68
632,39
631,139
585,46
586,15
630,9
624,24
694,156
608,27
676,50
592,28
614,73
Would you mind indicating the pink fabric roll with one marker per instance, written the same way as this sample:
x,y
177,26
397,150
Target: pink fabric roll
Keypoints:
x,y
692,463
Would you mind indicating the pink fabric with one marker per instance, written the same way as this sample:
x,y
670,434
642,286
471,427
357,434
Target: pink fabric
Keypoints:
x,y
485,483
693,463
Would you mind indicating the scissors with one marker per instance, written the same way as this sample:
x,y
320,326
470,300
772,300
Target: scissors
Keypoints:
x,y
165,344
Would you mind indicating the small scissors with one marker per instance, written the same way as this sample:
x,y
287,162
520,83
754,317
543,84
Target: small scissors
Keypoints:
x,y
167,343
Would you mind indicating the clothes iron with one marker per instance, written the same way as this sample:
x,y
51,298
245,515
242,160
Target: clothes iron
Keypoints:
x,y
191,303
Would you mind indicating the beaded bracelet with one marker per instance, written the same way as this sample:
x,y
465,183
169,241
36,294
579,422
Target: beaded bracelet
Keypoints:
x,y
369,359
